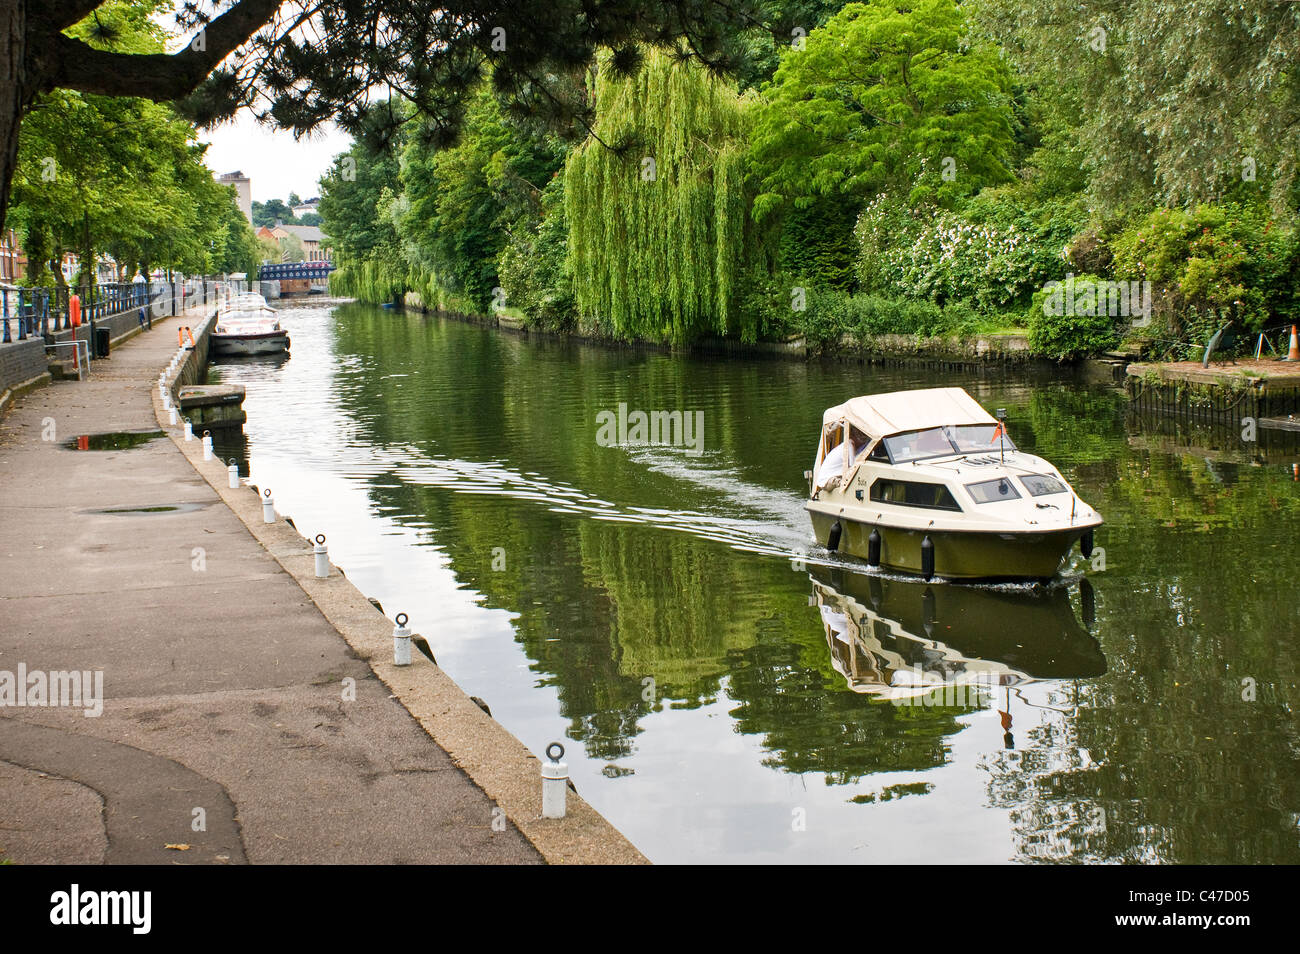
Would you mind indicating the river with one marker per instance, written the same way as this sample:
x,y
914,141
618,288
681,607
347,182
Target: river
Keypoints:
x,y
722,688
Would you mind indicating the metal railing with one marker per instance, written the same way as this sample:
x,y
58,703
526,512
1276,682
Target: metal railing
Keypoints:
x,y
27,312
28,308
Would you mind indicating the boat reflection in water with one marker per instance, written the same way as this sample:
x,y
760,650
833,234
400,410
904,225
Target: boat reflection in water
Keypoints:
x,y
923,644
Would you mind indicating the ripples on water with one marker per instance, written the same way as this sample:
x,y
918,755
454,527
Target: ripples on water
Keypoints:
x,y
733,690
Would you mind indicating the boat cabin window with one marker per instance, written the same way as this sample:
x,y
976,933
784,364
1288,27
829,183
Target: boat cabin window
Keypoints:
x,y
913,493
947,441
833,464
1040,484
990,491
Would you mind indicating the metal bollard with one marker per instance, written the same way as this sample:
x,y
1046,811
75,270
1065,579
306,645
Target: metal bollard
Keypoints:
x,y
555,782
232,472
322,557
207,445
401,641
189,431
268,506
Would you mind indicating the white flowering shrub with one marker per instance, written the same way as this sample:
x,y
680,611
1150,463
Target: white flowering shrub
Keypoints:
x,y
996,262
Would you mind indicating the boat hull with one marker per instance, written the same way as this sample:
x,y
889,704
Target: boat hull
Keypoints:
x,y
271,342
958,554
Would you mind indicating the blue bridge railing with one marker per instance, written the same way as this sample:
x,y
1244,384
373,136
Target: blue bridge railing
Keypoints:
x,y
287,271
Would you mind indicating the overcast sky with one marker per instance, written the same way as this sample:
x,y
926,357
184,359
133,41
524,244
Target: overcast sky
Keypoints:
x,y
276,164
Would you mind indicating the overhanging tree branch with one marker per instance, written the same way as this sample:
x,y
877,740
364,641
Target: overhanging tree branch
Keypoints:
x,y
157,76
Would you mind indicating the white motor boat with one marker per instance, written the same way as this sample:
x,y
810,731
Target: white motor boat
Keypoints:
x,y
247,325
929,482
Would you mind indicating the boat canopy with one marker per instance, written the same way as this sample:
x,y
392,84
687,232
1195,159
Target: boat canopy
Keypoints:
x,y
881,415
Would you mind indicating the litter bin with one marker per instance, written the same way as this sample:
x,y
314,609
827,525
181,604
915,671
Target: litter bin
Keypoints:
x,y
101,342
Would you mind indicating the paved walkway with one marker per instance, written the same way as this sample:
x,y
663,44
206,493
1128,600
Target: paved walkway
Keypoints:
x,y
224,686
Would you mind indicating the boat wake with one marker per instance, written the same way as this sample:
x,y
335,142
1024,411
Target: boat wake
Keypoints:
x,y
779,538
761,520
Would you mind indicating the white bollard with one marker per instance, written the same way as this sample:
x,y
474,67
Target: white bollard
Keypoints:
x,y
207,445
232,472
268,506
189,431
171,415
167,401
555,782
401,642
322,557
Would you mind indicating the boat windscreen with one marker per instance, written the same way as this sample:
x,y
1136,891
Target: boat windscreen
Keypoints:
x,y
947,441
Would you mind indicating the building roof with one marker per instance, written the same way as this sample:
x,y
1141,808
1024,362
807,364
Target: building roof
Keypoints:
x,y
308,233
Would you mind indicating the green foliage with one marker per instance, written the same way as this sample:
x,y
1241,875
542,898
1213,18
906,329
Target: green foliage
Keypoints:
x,y
234,246
1227,261
121,176
831,181
267,214
534,267
373,279
818,243
787,24
885,96
458,203
659,256
829,314
1176,101
351,193
1069,336
994,253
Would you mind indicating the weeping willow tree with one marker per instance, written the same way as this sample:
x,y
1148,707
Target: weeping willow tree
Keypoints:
x,y
372,280
657,206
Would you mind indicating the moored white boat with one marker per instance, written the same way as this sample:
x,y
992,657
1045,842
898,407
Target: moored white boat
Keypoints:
x,y
929,482
247,325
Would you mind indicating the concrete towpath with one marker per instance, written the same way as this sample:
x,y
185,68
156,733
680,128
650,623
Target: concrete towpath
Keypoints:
x,y
229,731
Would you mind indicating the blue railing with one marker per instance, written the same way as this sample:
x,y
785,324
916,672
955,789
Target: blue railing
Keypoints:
x,y
28,308
44,311
287,271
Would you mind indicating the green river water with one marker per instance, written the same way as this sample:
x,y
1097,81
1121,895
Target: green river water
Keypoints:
x,y
666,615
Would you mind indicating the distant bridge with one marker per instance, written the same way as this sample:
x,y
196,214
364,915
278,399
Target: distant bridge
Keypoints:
x,y
291,270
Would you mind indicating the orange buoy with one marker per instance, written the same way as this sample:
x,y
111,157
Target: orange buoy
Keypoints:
x,y
74,310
